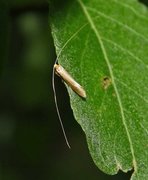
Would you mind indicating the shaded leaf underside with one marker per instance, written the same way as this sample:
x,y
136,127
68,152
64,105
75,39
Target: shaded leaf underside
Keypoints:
x,y
98,39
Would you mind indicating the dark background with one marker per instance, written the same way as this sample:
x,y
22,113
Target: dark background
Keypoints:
x,y
32,145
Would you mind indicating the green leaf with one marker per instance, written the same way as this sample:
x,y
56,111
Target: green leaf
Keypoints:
x,y
104,46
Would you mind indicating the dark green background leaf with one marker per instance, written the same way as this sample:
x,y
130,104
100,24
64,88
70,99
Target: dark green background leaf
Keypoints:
x,y
3,33
98,39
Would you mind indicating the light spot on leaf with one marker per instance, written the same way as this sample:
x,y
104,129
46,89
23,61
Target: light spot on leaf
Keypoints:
x,y
106,82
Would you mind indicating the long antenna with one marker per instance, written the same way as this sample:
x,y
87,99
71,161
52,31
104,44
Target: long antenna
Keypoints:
x,y
53,82
57,108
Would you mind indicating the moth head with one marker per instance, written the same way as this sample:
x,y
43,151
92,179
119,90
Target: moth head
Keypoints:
x,y
58,68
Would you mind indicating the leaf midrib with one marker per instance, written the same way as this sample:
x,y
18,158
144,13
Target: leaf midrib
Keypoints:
x,y
88,17
118,22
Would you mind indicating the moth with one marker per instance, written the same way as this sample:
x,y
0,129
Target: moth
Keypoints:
x,y
73,84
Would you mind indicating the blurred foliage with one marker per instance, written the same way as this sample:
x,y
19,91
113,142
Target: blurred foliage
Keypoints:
x,y
3,32
19,3
144,2
31,141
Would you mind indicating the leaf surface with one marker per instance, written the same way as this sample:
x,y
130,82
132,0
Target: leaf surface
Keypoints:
x,y
104,46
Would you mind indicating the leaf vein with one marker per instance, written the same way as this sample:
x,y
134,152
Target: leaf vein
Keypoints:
x,y
144,128
131,89
86,13
141,125
131,8
116,21
125,50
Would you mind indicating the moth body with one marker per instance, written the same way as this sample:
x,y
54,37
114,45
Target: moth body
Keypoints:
x,y
76,87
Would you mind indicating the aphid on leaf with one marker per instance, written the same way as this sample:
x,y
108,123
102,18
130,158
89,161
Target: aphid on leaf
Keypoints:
x,y
76,87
